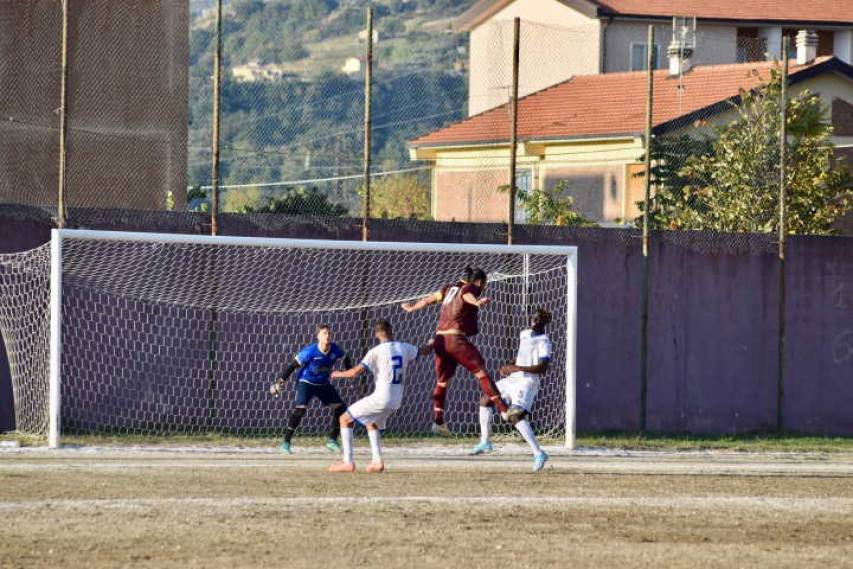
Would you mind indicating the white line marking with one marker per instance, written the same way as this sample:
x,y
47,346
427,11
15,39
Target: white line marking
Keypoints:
x,y
831,505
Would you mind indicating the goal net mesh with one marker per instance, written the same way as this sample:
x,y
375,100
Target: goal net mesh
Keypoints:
x,y
179,339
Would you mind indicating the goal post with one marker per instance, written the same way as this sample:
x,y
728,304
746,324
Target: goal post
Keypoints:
x,y
162,334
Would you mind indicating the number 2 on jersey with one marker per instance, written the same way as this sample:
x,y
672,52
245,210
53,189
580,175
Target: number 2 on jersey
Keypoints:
x,y
398,369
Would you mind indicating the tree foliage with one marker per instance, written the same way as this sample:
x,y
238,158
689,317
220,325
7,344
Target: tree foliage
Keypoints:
x,y
729,181
401,196
303,200
550,207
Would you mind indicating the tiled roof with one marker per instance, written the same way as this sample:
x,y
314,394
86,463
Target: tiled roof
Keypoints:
x,y
791,11
765,10
614,103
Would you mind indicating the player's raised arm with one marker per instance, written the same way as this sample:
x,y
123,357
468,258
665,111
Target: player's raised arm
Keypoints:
x,y
422,303
349,373
478,302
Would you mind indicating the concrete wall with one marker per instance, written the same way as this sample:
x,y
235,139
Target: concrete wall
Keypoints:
x,y
818,388
596,191
127,106
714,44
597,174
471,195
556,42
713,333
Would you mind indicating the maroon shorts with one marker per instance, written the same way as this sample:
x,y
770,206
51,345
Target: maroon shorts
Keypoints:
x,y
453,350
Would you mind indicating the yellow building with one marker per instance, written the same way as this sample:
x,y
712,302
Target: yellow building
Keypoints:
x,y
587,134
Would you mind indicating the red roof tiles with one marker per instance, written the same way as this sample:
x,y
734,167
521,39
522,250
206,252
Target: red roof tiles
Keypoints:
x,y
612,104
761,10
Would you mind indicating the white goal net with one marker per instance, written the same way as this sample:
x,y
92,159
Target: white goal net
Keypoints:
x,y
158,335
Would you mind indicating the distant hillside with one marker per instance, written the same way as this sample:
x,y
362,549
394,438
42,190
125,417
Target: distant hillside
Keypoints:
x,y
308,124
309,37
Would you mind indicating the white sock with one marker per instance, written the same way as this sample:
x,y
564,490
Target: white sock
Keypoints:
x,y
485,424
526,431
373,435
346,439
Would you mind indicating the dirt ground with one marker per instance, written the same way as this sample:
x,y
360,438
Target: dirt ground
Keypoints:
x,y
432,508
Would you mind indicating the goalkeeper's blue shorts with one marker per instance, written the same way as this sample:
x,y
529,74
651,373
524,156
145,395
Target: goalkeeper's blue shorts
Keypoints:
x,y
325,392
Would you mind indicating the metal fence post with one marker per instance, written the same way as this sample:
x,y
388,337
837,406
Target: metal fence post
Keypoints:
x,y
217,81
513,148
644,334
783,228
368,96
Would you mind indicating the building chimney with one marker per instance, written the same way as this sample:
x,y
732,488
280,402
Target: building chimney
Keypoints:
x,y
806,46
679,53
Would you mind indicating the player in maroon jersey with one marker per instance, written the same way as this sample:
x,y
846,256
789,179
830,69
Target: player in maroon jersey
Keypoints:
x,y
457,321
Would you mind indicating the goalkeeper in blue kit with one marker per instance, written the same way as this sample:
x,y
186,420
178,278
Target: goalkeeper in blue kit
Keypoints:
x,y
314,362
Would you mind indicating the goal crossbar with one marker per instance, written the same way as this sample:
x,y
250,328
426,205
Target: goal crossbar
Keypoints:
x,y
285,243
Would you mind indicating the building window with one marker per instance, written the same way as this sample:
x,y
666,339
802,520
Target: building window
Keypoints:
x,y
523,183
825,43
639,55
750,47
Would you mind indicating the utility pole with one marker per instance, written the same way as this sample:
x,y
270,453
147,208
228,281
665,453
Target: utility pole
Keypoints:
x,y
644,335
368,95
63,119
513,148
217,85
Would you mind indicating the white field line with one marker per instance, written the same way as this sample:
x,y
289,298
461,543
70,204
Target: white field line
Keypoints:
x,y
724,465
708,468
461,449
827,505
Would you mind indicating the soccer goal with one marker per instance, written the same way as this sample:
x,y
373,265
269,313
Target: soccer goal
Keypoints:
x,y
116,333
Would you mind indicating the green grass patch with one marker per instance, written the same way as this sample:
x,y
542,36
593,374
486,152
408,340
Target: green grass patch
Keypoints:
x,y
23,440
611,441
742,443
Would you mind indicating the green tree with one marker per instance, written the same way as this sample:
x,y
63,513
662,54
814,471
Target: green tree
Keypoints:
x,y
242,199
550,207
401,196
298,201
730,181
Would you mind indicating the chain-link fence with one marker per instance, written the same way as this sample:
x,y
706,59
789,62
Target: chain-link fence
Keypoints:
x,y
292,116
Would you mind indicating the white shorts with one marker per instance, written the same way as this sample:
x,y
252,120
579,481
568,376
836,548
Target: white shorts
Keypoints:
x,y
519,391
372,409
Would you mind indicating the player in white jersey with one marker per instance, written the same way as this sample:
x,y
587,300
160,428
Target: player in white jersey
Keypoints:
x,y
519,387
387,362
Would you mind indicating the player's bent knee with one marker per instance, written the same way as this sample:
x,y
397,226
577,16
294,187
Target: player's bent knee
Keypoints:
x,y
516,414
485,401
346,420
372,427
299,412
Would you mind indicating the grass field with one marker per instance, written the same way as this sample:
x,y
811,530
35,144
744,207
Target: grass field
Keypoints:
x,y
174,506
613,441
